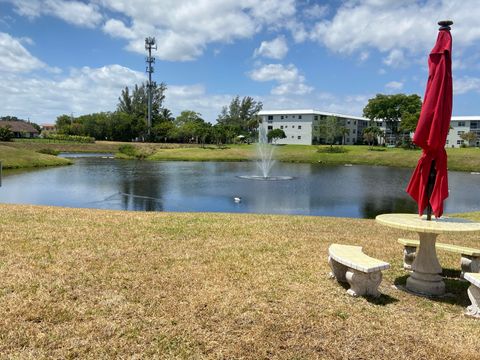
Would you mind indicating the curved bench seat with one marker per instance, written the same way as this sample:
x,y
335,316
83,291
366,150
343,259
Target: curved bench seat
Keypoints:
x,y
362,272
473,294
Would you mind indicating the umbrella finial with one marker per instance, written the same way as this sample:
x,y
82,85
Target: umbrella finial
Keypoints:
x,y
445,24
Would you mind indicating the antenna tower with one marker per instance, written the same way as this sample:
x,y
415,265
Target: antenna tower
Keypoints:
x,y
150,60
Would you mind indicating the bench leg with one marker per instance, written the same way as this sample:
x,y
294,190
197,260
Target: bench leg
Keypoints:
x,y
474,296
409,254
338,270
469,264
363,283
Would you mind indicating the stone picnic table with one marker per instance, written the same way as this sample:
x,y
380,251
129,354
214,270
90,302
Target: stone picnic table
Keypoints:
x,y
425,278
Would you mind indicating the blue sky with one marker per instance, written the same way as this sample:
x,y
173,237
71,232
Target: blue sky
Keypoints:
x,y
62,57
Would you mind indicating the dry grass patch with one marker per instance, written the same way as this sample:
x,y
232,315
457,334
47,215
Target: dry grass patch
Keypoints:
x,y
110,284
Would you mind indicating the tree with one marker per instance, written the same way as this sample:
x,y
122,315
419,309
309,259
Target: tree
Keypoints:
x,y
392,109
191,127
5,133
330,130
275,134
469,137
372,133
242,114
344,132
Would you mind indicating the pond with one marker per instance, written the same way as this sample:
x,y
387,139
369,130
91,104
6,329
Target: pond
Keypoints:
x,y
348,191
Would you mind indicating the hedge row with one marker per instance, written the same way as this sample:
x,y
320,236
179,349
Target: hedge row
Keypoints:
x,y
74,138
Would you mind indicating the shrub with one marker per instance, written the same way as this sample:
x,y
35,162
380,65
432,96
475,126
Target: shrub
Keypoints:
x,y
128,150
73,138
48,151
332,149
6,134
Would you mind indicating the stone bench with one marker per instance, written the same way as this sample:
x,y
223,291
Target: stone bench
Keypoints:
x,y
473,294
469,262
350,264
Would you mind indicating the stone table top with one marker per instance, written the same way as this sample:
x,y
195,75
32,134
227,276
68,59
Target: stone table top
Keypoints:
x,y
413,222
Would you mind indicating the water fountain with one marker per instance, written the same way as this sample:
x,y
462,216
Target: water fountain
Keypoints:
x,y
265,159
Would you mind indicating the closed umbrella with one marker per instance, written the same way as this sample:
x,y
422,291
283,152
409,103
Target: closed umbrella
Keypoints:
x,y
428,185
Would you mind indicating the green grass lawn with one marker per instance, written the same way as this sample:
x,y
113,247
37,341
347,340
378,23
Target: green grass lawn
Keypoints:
x,y
81,283
13,158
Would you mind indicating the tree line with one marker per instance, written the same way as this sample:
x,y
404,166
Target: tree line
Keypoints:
x,y
128,121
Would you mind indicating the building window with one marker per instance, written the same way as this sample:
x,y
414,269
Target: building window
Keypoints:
x,y
323,117
461,123
459,142
299,126
315,118
355,122
293,136
348,122
281,117
293,116
270,127
270,117
460,132
299,116
286,126
293,126
354,131
446,142
286,116
281,126
299,137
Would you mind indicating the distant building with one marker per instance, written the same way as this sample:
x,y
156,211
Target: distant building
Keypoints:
x,y
49,127
20,129
302,127
460,125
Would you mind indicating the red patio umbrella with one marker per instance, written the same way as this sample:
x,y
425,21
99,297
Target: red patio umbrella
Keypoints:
x,y
428,185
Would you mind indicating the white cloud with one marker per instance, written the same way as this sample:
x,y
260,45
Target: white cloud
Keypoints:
x,y
288,78
73,12
396,58
364,55
394,85
82,91
275,49
183,29
14,57
339,104
466,84
87,90
316,11
116,28
396,26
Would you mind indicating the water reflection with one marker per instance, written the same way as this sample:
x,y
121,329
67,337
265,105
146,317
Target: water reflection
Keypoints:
x,y
357,191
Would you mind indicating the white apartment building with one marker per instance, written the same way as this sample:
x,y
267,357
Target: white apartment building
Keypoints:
x,y
302,127
460,125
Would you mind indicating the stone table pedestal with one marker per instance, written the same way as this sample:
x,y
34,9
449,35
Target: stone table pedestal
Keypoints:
x,y
426,278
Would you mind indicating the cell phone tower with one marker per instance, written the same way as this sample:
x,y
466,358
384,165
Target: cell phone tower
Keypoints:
x,y
150,60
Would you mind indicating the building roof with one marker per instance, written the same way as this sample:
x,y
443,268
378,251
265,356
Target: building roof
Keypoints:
x,y
466,118
308,112
19,126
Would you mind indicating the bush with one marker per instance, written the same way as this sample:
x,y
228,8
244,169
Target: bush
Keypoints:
x,y
332,149
128,150
73,138
377,149
48,151
6,134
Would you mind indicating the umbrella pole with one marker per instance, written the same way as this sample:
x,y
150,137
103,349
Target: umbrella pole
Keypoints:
x,y
431,183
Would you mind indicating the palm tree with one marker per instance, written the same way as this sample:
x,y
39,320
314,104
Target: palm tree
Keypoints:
x,y
344,132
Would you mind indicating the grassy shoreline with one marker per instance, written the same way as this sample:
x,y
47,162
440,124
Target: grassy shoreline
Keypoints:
x,y
13,158
467,159
109,284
